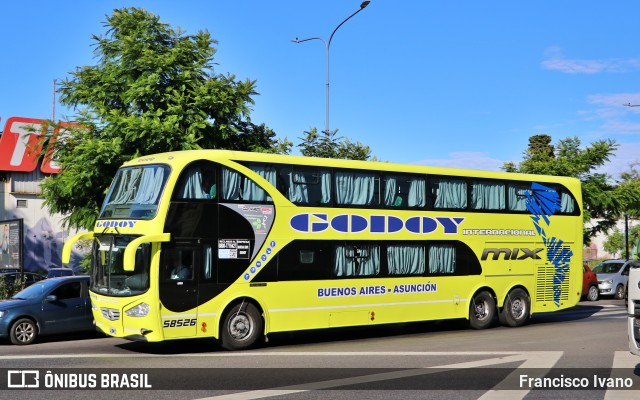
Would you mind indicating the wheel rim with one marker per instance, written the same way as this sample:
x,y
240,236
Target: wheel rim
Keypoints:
x,y
24,332
517,308
620,292
593,293
240,326
481,310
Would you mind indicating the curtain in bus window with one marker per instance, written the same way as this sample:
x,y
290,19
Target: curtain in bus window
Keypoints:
x,y
417,193
566,205
192,185
208,263
297,191
150,186
451,194
127,186
325,182
251,190
361,260
230,184
390,192
487,196
442,259
354,188
518,198
406,259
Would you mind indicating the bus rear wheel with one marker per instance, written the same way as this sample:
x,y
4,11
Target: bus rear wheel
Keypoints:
x,y
242,327
515,311
482,310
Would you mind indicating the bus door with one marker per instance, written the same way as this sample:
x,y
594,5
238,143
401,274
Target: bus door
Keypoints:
x,y
179,289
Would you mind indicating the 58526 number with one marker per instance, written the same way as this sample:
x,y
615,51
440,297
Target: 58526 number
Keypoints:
x,y
177,323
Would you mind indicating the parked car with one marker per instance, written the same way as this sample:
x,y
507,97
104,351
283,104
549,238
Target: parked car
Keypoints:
x,y
56,305
56,272
589,284
29,277
613,276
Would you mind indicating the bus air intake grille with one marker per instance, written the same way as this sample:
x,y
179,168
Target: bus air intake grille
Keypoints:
x,y
546,286
110,313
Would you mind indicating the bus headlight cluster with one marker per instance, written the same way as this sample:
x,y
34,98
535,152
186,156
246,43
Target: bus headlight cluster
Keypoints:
x,y
141,310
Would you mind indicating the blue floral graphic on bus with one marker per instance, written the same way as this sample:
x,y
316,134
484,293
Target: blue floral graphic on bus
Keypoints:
x,y
543,202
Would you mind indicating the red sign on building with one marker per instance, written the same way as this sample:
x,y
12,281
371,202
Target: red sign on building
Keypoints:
x,y
20,148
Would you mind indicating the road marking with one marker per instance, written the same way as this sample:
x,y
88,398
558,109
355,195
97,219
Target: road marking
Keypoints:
x,y
542,361
624,364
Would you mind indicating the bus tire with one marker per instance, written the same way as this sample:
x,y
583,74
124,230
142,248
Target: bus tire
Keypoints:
x,y
482,310
242,327
516,309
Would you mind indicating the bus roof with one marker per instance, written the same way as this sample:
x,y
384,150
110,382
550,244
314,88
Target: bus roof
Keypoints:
x,y
186,156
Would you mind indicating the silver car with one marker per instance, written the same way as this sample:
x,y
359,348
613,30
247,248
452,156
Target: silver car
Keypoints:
x,y
613,276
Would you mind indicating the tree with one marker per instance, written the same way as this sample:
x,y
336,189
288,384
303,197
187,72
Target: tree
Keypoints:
x,y
152,90
603,201
615,243
328,145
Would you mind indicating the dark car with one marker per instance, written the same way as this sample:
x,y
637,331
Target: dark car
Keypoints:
x,y
51,306
589,284
29,278
56,272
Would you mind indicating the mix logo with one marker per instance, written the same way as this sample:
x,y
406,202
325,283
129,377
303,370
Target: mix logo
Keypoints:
x,y
355,223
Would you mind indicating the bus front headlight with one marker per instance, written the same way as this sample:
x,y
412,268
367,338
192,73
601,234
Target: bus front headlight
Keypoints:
x,y
141,310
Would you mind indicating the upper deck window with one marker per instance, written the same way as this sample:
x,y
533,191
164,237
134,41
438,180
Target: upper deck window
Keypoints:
x,y
135,192
237,187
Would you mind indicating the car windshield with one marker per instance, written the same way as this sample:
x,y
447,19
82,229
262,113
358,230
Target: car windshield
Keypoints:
x,y
32,291
107,273
608,268
135,192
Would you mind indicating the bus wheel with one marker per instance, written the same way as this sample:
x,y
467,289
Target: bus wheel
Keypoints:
x,y
516,308
482,310
242,326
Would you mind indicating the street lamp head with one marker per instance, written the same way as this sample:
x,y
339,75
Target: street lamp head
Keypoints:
x,y
364,4
296,40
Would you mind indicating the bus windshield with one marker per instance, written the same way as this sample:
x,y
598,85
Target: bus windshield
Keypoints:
x,y
135,192
107,273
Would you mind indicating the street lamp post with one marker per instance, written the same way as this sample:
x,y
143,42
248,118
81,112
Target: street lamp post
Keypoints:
x,y
327,44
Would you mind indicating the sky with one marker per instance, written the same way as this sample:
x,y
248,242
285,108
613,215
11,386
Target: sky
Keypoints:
x,y
451,83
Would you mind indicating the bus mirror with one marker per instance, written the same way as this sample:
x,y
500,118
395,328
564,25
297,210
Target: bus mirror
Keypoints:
x,y
66,250
130,251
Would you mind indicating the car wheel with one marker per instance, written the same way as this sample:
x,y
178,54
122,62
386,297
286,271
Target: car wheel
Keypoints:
x,y
619,292
482,310
593,293
23,331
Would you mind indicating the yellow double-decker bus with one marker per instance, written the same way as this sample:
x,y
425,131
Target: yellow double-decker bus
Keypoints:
x,y
234,246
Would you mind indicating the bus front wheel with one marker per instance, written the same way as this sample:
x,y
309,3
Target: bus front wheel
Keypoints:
x,y
516,308
482,310
242,326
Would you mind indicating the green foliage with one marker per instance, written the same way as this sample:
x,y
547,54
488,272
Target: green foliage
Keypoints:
x,y
8,290
615,242
328,145
603,202
152,90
